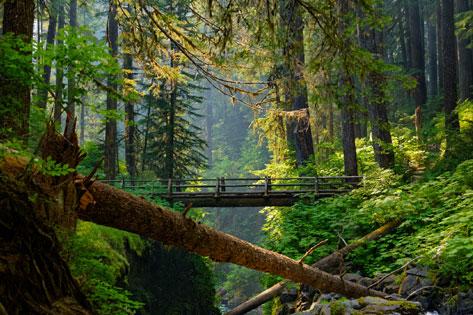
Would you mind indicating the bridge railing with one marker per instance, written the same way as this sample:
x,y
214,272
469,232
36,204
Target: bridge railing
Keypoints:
x,y
217,187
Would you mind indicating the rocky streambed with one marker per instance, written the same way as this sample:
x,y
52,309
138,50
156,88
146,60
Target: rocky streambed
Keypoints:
x,y
414,292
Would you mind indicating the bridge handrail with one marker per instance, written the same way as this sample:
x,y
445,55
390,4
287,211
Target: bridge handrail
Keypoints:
x,y
232,179
220,185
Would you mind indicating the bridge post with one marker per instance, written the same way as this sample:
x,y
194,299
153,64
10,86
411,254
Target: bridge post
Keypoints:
x,y
178,185
267,185
123,182
170,188
217,188
316,185
222,184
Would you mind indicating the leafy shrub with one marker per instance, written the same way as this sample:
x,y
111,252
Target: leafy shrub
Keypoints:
x,y
437,217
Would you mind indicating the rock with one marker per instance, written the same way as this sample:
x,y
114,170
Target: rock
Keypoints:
x,y
465,302
375,305
415,279
418,271
326,298
307,295
389,282
391,289
317,309
366,305
380,309
364,301
323,309
409,284
288,296
364,281
353,277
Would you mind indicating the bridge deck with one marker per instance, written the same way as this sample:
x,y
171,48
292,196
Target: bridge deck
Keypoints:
x,y
241,192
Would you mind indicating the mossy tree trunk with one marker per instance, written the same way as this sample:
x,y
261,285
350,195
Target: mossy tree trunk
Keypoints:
x,y
15,100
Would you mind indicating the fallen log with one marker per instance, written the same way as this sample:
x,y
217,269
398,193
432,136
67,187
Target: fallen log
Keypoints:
x,y
330,263
118,209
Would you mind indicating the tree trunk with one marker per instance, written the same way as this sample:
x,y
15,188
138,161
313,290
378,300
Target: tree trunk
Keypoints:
x,y
330,263
169,163
452,125
71,80
209,126
331,129
130,127
402,38
408,35
348,129
34,278
417,54
440,47
465,59
82,121
432,50
18,18
58,102
347,101
377,109
111,145
43,94
361,120
299,135
146,136
115,208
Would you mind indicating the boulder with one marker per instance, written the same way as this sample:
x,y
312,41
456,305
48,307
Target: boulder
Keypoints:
x,y
353,277
288,296
415,279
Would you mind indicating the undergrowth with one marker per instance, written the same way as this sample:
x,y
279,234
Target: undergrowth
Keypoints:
x,y
97,258
437,216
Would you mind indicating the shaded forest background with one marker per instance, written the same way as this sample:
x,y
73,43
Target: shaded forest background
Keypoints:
x,y
179,89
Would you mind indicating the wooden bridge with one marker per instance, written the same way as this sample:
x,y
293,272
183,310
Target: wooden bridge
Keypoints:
x,y
240,192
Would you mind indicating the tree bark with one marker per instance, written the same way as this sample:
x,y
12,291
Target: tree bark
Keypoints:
x,y
408,35
299,135
111,145
171,124
115,208
71,80
432,50
34,278
416,40
440,46
465,59
208,129
329,263
402,37
452,125
348,135
377,109
347,99
18,19
130,127
43,94
144,156
58,102
82,121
